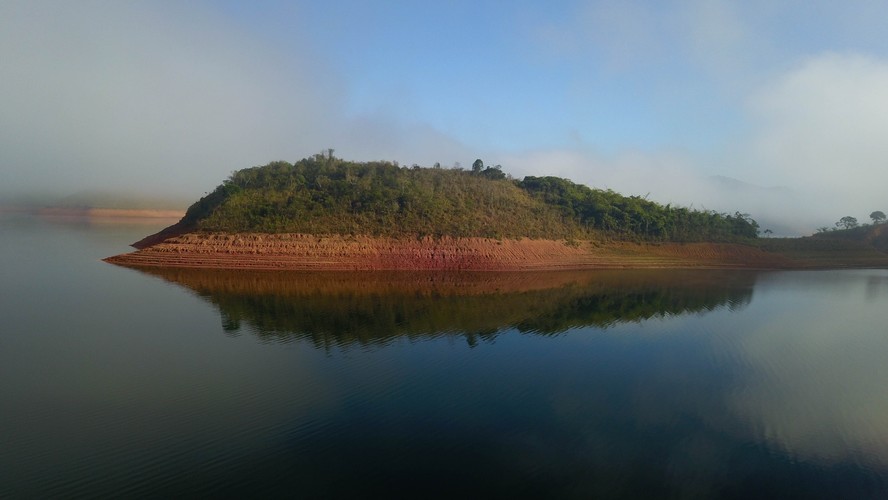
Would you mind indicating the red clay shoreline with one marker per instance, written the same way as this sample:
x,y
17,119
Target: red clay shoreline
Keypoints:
x,y
304,252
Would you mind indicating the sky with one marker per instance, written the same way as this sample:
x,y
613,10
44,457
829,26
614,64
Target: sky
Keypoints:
x,y
776,109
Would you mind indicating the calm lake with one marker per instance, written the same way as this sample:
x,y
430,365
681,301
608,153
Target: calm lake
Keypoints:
x,y
620,384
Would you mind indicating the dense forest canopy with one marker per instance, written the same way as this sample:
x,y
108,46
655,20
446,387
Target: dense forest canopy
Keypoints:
x,y
327,195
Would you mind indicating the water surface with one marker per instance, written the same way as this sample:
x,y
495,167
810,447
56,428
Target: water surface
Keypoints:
x,y
626,384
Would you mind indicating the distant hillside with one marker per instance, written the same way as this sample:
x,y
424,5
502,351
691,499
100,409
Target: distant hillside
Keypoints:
x,y
325,195
863,246
119,200
875,236
94,199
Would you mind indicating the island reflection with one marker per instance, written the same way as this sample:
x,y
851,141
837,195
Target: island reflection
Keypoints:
x,y
374,308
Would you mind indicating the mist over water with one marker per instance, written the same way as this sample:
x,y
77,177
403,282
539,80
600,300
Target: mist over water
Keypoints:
x,y
120,382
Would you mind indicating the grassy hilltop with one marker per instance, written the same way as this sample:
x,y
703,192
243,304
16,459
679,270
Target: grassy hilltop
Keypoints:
x,y
326,195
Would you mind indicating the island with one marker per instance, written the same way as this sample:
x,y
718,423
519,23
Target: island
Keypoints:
x,y
326,213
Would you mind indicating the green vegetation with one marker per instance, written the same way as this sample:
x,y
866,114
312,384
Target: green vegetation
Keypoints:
x,y
327,195
635,216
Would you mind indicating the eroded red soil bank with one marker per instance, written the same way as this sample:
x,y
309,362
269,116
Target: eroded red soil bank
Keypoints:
x,y
309,252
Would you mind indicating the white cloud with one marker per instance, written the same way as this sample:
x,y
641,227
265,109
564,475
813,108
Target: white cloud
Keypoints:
x,y
630,172
820,128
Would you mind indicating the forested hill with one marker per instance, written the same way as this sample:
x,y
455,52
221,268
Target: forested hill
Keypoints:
x,y
327,195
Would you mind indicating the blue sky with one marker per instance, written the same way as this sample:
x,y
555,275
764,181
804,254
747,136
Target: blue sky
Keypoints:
x,y
778,109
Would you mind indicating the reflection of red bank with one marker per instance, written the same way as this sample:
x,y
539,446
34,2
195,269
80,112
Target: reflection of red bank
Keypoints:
x,y
445,284
310,252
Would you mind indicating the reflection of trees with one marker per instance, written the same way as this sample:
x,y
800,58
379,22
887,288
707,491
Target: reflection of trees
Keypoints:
x,y
341,309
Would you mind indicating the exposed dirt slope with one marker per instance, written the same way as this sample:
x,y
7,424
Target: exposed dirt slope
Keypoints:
x,y
309,252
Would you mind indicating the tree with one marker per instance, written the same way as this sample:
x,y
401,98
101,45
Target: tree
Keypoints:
x,y
768,233
847,222
493,172
478,166
878,217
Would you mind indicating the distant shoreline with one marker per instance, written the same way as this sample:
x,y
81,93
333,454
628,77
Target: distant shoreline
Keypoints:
x,y
110,213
